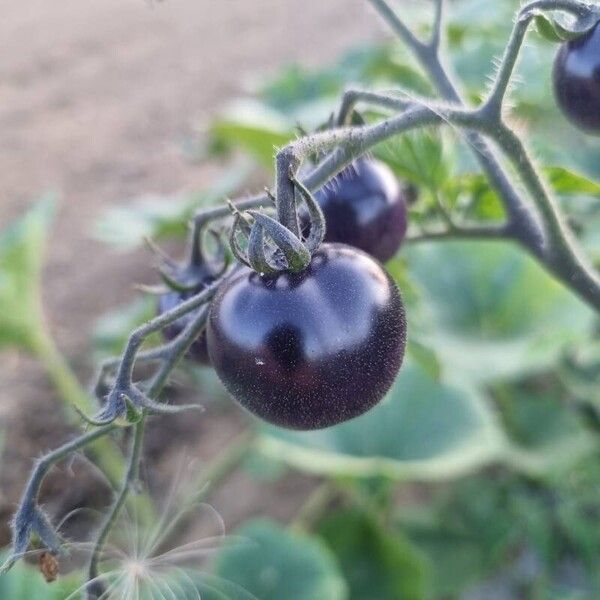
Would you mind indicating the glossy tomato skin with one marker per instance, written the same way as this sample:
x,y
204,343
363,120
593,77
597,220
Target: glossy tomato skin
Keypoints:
x,y
198,351
313,349
576,80
365,207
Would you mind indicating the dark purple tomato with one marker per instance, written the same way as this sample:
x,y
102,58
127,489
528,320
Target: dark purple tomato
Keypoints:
x,y
198,351
365,207
312,349
577,81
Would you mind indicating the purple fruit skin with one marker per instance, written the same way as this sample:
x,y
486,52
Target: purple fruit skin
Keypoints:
x,y
312,349
365,207
576,80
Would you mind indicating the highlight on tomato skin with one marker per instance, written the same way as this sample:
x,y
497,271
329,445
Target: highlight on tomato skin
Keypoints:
x,y
309,350
365,207
576,79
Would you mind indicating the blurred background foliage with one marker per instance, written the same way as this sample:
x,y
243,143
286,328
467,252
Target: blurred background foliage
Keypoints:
x,y
478,476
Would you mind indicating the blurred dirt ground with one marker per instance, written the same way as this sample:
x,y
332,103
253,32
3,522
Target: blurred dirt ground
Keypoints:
x,y
95,98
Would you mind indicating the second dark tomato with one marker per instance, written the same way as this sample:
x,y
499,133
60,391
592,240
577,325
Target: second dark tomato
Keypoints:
x,y
577,81
365,207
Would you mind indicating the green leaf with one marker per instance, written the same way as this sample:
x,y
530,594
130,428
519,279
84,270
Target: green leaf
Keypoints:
x,y
424,429
464,535
381,64
21,260
272,563
566,182
113,328
376,563
489,311
254,128
538,419
425,357
23,582
419,157
547,29
473,192
162,216
544,429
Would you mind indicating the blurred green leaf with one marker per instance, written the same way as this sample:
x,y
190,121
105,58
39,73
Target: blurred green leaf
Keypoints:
x,y
21,260
542,418
254,128
579,371
374,64
464,531
547,28
566,182
376,563
159,216
112,329
489,311
418,157
272,563
263,468
423,430
425,357
471,193
23,582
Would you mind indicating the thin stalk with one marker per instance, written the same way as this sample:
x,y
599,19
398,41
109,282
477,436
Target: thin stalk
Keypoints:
x,y
95,589
214,473
314,506
522,219
72,394
561,253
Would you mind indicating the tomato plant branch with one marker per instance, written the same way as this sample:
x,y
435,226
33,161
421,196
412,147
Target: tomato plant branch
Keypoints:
x,y
523,220
96,587
29,519
561,253
496,97
460,232
535,221
59,371
438,26
553,244
178,348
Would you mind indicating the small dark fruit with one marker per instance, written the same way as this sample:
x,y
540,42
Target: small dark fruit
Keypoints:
x,y
312,349
577,81
365,207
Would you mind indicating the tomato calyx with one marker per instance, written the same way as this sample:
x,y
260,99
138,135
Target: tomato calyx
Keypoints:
x,y
271,247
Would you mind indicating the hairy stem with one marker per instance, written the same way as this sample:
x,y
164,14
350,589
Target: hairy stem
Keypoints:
x,y
561,254
523,220
23,521
59,371
137,338
96,588
496,97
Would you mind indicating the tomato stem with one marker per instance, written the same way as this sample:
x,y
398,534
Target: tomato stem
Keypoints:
x,y
74,396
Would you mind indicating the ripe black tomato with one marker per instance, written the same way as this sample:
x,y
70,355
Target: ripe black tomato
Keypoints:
x,y
198,351
576,80
365,207
312,349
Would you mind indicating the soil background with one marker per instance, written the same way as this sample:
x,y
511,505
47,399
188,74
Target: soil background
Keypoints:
x,y
95,99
